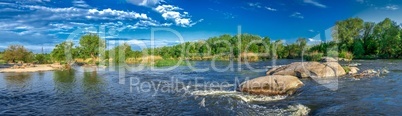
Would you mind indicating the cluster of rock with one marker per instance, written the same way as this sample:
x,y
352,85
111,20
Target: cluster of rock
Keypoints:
x,y
285,80
309,69
368,73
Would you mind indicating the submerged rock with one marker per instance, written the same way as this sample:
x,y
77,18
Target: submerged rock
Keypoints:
x,y
272,85
309,69
353,70
366,73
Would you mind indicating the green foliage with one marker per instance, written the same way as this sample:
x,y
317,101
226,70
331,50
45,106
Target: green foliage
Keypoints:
x,y
346,55
314,56
119,52
15,53
346,68
358,49
91,45
167,62
388,33
42,58
347,30
61,50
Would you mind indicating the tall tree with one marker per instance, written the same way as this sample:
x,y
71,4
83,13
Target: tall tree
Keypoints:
x,y
388,33
90,45
347,31
61,50
370,45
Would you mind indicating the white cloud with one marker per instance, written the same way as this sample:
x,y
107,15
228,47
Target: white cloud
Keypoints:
x,y
258,5
270,9
117,14
315,3
391,7
147,3
80,3
313,40
170,12
297,15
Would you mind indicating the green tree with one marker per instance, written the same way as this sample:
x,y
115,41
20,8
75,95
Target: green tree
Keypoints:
x,y
42,58
126,52
16,53
90,45
60,52
370,44
388,34
358,49
347,31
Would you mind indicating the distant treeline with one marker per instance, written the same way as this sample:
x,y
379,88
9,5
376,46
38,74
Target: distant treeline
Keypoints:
x,y
352,38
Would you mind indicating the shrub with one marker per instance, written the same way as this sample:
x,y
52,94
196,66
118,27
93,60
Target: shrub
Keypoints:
x,y
346,55
346,68
314,56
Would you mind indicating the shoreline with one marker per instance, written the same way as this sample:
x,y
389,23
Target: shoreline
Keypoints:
x,y
7,68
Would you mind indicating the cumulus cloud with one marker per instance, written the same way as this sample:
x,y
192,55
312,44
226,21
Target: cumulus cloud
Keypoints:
x,y
170,12
32,22
315,3
297,15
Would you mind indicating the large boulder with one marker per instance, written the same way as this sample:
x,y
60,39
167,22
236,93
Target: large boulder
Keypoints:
x,y
272,85
309,69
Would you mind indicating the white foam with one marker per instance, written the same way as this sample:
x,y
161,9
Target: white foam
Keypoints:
x,y
239,95
298,110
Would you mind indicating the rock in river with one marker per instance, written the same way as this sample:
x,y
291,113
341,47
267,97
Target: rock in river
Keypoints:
x,y
272,85
310,69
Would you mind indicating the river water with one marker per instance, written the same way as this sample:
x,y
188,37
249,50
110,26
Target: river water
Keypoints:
x,y
185,91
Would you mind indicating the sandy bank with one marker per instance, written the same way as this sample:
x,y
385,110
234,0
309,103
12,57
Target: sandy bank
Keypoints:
x,y
37,68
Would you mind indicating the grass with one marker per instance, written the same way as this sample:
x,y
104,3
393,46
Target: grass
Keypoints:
x,y
167,62
346,68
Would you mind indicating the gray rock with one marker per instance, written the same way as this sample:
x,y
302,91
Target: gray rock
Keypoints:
x,y
272,85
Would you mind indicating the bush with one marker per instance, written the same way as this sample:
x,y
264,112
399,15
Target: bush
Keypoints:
x,y
314,56
346,55
42,58
346,68
15,53
332,53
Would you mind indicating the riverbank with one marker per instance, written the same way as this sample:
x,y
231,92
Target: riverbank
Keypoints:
x,y
7,68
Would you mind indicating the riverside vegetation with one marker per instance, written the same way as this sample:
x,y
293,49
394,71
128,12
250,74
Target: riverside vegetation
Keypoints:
x,y
354,38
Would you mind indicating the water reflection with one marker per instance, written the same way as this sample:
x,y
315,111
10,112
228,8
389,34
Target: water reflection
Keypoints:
x,y
20,80
91,80
64,81
93,91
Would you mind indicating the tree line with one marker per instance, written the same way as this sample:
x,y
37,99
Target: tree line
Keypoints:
x,y
352,38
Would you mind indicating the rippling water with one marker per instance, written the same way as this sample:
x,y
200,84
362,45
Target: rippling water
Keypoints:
x,y
183,91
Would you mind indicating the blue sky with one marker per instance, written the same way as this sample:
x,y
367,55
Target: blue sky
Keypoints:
x,y
37,23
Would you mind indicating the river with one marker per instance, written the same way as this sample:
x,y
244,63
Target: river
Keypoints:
x,y
184,91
